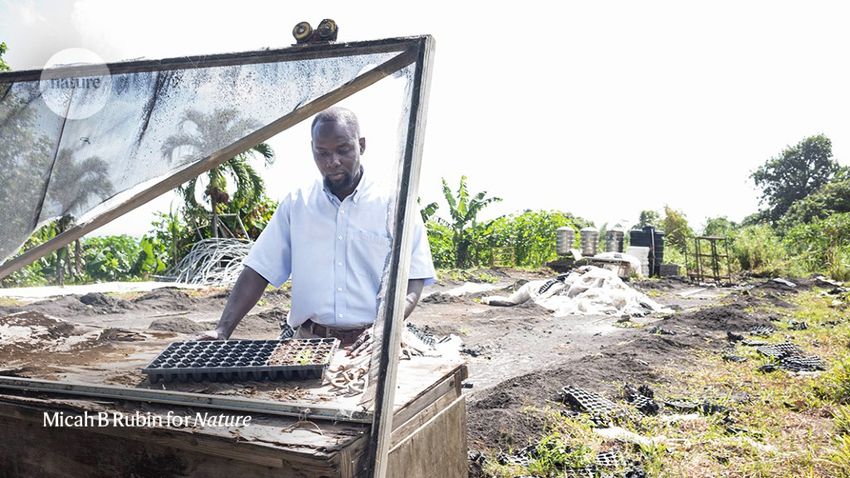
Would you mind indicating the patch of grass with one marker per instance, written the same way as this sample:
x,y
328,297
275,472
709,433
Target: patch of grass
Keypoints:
x,y
835,384
777,425
840,457
628,324
557,451
467,275
569,443
493,469
9,302
841,420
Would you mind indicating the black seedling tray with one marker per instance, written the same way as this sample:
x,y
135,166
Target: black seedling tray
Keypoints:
x,y
588,401
421,334
809,363
785,349
762,331
226,360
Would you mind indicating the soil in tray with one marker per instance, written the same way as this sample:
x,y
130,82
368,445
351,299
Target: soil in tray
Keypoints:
x,y
305,353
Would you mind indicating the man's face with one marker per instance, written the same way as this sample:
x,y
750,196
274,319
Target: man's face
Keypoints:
x,y
337,150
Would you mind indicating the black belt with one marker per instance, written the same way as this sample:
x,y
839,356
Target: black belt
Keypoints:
x,y
345,336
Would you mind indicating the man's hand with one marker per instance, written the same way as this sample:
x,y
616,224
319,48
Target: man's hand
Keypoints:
x,y
246,292
362,345
210,335
410,345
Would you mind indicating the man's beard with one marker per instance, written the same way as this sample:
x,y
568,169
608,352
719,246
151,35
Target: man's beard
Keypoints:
x,y
346,181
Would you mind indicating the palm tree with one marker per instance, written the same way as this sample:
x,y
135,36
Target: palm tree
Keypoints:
x,y
464,213
205,133
73,185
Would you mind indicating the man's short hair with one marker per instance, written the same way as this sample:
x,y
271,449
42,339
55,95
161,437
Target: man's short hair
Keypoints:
x,y
338,115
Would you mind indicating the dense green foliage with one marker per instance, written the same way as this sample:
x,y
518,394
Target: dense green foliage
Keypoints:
x,y
719,227
676,228
831,198
795,173
521,240
3,65
467,232
821,245
648,218
758,249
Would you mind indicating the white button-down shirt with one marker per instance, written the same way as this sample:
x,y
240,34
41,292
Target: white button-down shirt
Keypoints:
x,y
335,252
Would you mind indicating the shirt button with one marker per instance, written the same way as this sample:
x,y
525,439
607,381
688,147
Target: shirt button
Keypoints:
x,y
339,237
339,315
339,264
339,289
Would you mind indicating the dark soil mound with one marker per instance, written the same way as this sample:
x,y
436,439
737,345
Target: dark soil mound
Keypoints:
x,y
275,315
722,318
755,298
665,283
104,304
65,306
264,324
777,286
499,418
166,298
180,325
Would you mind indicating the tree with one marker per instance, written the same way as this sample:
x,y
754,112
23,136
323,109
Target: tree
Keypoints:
x,y
648,218
676,228
428,211
464,224
832,198
719,227
3,65
206,136
794,174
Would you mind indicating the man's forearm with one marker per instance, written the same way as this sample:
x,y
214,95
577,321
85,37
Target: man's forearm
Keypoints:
x,y
414,291
246,292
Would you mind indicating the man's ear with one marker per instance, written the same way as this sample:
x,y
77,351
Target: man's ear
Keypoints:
x,y
362,145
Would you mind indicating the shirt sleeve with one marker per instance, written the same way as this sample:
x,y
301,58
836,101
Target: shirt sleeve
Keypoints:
x,y
271,254
421,263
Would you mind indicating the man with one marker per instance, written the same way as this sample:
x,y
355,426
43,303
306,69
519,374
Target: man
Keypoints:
x,y
333,240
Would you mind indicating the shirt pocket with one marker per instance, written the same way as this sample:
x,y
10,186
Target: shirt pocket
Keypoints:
x,y
369,253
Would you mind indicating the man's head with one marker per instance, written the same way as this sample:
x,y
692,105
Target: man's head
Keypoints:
x,y
337,147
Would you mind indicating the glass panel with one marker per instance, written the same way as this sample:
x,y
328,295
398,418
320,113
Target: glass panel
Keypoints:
x,y
29,135
151,124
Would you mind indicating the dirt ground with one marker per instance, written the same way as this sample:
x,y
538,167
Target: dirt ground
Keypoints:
x,y
518,357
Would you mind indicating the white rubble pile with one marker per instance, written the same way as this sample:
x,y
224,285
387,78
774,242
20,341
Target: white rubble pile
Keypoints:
x,y
587,290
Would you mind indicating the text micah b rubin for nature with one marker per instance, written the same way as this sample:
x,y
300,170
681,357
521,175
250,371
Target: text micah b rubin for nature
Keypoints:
x,y
119,419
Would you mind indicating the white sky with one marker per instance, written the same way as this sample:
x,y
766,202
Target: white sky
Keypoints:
x,y
601,109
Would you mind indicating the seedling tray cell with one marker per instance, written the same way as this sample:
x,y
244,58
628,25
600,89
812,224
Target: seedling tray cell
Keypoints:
x,y
228,360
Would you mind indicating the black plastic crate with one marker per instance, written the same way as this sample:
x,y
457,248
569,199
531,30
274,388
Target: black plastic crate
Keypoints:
x,y
226,360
